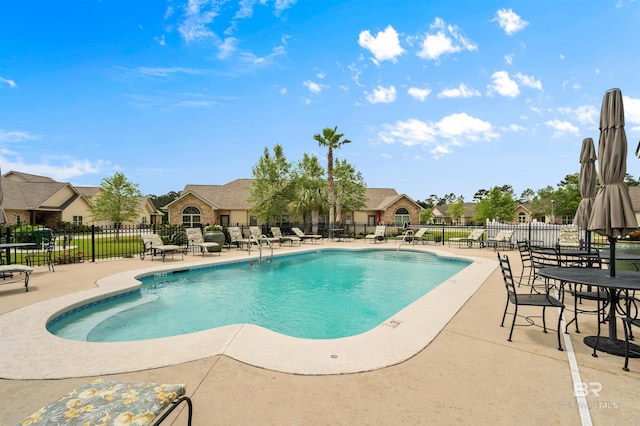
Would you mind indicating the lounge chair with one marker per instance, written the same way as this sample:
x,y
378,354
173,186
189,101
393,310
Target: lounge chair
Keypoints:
x,y
502,238
475,237
101,399
236,237
304,237
195,239
256,232
569,237
415,237
378,235
153,245
7,271
277,233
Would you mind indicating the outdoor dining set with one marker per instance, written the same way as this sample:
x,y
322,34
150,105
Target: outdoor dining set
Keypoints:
x,y
549,275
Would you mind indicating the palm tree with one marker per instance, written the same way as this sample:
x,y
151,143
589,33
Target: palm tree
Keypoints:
x,y
331,139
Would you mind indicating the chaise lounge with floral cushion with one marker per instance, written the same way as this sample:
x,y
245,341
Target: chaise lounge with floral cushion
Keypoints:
x,y
106,402
153,245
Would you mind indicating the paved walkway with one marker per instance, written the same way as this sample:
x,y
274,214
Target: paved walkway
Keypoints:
x,y
468,374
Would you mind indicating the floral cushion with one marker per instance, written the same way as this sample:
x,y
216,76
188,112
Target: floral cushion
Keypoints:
x,y
104,402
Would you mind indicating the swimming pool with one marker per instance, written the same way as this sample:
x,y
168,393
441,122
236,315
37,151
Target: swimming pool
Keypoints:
x,y
325,294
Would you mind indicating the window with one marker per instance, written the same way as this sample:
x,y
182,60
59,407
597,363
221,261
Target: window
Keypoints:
x,y
402,217
567,220
522,218
18,219
191,217
224,219
371,220
144,220
77,221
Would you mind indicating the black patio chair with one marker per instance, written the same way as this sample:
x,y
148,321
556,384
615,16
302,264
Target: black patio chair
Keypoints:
x,y
525,257
631,318
543,300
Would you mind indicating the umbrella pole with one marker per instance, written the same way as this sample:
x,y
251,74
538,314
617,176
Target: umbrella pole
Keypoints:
x,y
612,257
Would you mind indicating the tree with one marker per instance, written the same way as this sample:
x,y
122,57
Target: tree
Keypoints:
x,y
117,201
456,210
498,204
271,189
350,189
309,189
526,196
160,201
331,139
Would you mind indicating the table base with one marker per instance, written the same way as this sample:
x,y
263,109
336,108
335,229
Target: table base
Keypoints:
x,y
613,347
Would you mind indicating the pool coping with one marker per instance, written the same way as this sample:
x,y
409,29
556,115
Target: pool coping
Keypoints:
x,y
31,352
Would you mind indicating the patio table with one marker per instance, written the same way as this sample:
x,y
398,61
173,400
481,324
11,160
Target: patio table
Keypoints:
x,y
623,281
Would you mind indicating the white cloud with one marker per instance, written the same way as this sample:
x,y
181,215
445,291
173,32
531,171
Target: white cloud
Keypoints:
x,y
510,21
462,91
418,93
382,95
453,130
11,83
631,109
509,59
385,46
198,14
444,39
313,87
263,60
529,81
503,85
281,5
561,128
586,114
15,136
410,132
227,47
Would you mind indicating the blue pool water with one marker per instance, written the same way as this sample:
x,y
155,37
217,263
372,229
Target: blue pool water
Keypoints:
x,y
320,295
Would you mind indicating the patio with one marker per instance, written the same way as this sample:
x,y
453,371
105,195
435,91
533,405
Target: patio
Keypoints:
x,y
469,373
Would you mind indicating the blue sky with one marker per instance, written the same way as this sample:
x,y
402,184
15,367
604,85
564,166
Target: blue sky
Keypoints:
x,y
437,97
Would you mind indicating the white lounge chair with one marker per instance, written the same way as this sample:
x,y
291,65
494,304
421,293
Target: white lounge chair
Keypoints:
x,y
277,233
474,237
7,271
236,237
256,232
304,237
502,238
153,244
418,236
378,235
196,239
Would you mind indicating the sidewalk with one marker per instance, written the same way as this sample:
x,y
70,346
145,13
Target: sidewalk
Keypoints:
x,y
468,374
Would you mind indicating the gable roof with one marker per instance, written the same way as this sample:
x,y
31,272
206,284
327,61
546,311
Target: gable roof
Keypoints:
x,y
442,210
230,196
21,195
382,198
26,177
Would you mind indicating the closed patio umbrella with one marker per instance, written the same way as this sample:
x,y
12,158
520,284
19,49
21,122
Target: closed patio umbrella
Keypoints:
x,y
612,214
588,188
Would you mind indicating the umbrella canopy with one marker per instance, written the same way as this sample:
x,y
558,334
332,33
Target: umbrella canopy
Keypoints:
x,y
612,214
588,188
3,216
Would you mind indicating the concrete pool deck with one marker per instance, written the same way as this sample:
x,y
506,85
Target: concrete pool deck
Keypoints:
x,y
468,373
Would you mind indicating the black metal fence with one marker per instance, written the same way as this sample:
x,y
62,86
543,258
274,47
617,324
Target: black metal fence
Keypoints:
x,y
99,243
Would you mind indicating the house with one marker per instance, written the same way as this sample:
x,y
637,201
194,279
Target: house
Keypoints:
x,y
442,216
226,205
40,200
